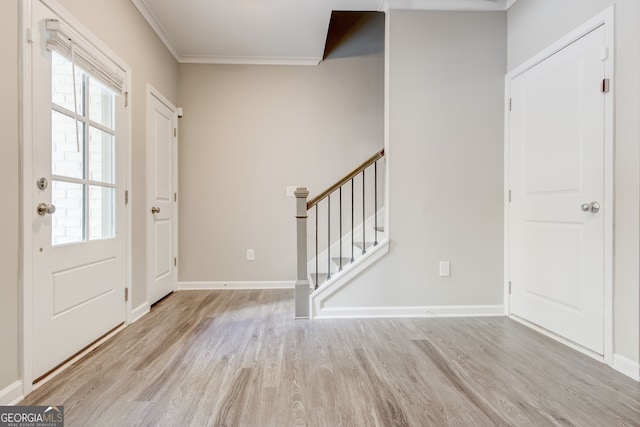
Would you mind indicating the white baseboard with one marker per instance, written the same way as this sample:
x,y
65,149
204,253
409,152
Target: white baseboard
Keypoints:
x,y
192,286
626,366
409,312
140,311
11,394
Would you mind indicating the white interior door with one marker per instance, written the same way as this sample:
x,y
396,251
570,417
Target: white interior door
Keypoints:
x,y
162,203
79,250
557,182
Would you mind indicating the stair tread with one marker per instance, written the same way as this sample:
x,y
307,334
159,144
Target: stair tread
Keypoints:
x,y
367,245
322,278
345,261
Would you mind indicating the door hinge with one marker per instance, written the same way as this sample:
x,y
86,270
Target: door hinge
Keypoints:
x,y
510,104
126,294
175,262
509,196
605,85
126,197
126,99
175,197
509,287
175,132
29,37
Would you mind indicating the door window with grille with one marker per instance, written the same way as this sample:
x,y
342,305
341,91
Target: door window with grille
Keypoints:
x,y
82,155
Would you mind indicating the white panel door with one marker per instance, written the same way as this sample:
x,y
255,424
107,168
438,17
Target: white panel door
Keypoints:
x,y
79,251
557,166
162,248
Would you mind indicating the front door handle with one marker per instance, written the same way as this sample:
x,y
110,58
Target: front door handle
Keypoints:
x,y
44,209
155,210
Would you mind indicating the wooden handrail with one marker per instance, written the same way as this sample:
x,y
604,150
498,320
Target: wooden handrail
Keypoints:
x,y
311,203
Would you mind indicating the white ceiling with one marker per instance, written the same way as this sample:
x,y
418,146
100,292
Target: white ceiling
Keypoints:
x,y
266,31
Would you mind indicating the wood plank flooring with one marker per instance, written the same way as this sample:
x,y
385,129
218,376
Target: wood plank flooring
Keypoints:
x,y
238,358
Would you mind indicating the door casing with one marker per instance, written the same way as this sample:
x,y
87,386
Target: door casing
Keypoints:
x,y
605,18
27,202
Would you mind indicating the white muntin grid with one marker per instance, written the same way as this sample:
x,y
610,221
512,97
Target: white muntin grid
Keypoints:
x,y
83,185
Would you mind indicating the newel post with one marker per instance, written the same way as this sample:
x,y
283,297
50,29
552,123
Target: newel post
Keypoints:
x,y
302,281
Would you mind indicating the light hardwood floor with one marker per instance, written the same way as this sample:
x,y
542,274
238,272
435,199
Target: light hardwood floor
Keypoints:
x,y
238,358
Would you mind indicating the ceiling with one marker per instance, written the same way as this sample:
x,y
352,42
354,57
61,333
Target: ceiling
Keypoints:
x,y
287,32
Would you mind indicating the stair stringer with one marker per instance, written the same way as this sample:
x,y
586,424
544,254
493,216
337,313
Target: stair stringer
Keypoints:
x,y
324,292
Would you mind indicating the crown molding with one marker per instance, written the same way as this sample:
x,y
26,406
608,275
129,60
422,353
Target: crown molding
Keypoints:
x,y
510,3
157,28
384,5
448,5
249,60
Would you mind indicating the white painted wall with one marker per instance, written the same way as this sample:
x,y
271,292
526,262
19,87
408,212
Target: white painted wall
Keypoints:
x,y
445,154
532,26
247,133
118,24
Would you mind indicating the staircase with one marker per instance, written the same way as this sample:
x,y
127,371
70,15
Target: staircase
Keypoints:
x,y
343,232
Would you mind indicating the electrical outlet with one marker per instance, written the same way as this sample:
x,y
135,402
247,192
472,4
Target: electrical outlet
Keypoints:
x,y
291,189
251,255
445,269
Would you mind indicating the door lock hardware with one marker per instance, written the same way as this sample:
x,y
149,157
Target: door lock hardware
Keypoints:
x,y
42,183
155,210
44,209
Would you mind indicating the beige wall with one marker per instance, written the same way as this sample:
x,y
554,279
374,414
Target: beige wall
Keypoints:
x,y
445,159
118,24
535,24
247,133
9,176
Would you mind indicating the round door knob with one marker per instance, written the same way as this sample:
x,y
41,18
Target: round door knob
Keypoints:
x,y
155,210
592,207
44,209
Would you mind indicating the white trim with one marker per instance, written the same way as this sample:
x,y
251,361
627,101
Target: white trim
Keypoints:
x,y
626,366
340,280
152,92
26,151
249,60
193,286
11,394
26,145
606,19
446,5
157,28
411,312
140,311
387,119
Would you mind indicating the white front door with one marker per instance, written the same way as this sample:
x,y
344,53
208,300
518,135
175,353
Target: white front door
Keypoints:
x,y
78,163
162,202
557,181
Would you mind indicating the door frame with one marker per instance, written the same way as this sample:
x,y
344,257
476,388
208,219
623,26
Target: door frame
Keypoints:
x,y
606,19
26,153
153,92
